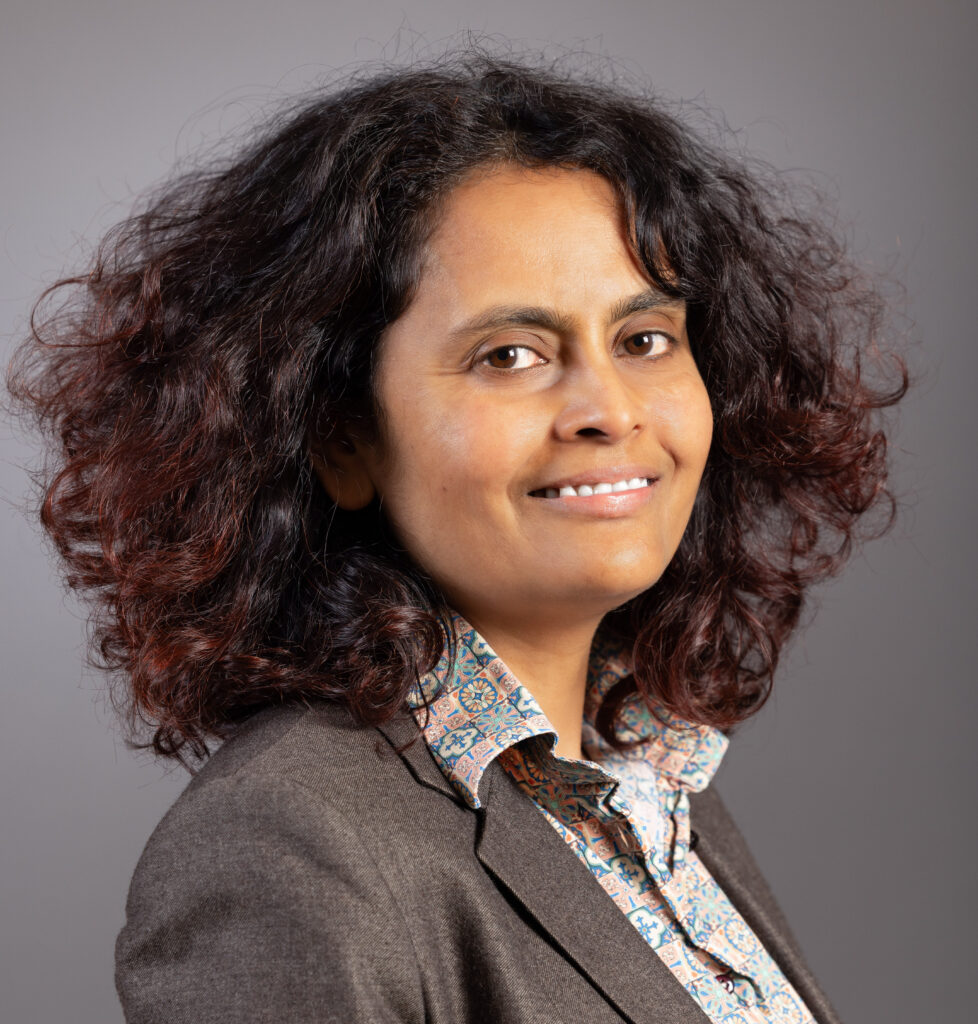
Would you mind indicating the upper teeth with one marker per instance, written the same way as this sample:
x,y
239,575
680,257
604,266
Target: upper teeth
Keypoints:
x,y
585,490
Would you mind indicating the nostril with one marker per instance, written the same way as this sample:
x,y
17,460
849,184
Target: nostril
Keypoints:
x,y
590,432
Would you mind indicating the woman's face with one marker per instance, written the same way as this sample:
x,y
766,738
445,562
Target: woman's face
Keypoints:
x,y
534,359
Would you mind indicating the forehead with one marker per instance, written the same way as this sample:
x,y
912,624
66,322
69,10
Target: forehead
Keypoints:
x,y
496,191
508,235
520,231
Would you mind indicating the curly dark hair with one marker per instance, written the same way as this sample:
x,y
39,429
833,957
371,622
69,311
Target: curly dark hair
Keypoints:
x,y
235,316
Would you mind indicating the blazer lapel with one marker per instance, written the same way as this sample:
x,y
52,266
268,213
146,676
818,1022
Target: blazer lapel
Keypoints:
x,y
522,851
726,857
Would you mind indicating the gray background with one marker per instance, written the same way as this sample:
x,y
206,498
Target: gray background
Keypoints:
x,y
854,786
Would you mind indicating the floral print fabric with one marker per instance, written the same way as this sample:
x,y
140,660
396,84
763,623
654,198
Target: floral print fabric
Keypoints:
x,y
624,814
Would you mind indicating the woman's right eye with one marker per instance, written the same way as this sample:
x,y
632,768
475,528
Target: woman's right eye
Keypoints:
x,y
512,357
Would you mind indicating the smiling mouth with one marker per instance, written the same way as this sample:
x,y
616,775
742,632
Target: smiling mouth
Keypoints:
x,y
586,490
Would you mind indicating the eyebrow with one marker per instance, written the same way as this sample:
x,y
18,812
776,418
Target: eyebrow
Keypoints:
x,y
549,319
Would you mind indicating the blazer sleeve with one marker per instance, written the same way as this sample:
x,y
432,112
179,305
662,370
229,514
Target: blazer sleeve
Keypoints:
x,y
254,901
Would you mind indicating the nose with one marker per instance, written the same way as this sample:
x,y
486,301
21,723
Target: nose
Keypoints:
x,y
597,402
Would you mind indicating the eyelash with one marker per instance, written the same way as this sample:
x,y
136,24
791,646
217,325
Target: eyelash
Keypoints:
x,y
638,334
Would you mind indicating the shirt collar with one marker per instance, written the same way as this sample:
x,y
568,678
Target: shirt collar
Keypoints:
x,y
481,709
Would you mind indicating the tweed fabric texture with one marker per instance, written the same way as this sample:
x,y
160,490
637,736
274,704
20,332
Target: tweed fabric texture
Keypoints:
x,y
315,870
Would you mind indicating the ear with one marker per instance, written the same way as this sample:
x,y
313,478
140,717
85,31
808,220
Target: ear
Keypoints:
x,y
341,466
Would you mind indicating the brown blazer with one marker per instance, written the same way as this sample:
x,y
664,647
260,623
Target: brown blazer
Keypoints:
x,y
310,873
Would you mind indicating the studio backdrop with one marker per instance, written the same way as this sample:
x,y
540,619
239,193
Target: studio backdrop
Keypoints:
x,y
854,786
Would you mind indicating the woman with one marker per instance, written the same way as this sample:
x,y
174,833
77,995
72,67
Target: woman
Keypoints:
x,y
459,453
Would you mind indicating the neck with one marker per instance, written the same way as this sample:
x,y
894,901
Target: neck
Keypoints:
x,y
551,660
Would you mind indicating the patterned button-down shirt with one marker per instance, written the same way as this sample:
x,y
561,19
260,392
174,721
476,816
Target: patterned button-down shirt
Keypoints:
x,y
625,815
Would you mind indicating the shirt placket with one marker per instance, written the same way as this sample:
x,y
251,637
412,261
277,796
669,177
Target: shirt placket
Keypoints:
x,y
728,941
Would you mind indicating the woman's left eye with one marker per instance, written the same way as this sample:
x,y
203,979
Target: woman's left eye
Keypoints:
x,y
648,343
512,357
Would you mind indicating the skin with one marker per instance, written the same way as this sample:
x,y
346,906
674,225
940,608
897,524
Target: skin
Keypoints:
x,y
517,365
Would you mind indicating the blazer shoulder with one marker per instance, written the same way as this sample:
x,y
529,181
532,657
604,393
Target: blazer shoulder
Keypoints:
x,y
317,745
255,881
311,763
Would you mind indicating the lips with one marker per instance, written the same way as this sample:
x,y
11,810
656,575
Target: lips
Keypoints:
x,y
586,490
612,480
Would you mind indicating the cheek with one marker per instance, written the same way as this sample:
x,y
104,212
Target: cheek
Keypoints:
x,y
686,423
478,442
449,458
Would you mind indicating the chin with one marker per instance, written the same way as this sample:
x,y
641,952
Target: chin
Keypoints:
x,y
606,594
624,577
